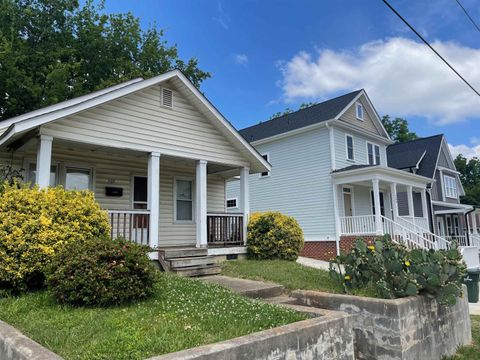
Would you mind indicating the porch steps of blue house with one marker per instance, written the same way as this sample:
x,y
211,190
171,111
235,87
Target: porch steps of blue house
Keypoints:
x,y
188,261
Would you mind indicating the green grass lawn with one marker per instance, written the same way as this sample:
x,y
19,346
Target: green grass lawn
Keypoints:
x,y
287,273
471,352
183,313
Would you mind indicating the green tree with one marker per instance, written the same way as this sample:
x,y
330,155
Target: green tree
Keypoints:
x,y
53,50
470,177
289,111
398,129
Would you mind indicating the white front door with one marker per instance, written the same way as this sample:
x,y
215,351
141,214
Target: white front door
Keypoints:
x,y
347,202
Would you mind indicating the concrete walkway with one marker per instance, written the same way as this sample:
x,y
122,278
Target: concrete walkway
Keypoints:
x,y
314,263
249,288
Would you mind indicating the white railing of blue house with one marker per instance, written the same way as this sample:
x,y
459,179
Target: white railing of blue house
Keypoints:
x,y
133,225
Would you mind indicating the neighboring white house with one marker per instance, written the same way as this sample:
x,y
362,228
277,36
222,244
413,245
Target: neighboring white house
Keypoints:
x,y
330,172
155,152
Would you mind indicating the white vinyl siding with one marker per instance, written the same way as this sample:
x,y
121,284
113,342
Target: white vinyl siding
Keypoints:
x,y
360,149
139,121
118,170
300,184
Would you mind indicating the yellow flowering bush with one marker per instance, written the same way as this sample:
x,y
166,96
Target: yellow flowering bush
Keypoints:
x,y
35,223
273,235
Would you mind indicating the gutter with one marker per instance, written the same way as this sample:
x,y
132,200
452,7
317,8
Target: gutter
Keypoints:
x,y
468,224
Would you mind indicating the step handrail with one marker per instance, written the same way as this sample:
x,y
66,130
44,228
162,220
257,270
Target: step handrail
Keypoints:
x,y
415,237
432,237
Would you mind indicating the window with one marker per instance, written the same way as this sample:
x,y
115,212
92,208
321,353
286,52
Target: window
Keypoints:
x,y
373,154
267,173
450,184
359,110
78,178
232,203
32,174
349,144
183,193
140,194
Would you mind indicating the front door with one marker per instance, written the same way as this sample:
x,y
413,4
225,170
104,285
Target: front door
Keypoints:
x,y
441,226
382,204
347,202
140,222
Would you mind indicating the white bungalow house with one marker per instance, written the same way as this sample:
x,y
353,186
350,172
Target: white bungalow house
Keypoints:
x,y
330,171
156,153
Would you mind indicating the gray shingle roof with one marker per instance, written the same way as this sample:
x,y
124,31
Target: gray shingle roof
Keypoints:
x,y
353,167
314,114
406,155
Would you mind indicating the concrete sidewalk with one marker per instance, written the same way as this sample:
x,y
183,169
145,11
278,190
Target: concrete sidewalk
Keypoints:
x,y
249,288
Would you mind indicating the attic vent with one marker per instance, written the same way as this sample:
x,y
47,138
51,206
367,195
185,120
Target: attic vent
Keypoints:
x,y
167,97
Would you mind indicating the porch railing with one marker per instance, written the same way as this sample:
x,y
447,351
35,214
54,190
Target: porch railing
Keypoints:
x,y
225,229
418,221
132,225
460,239
357,225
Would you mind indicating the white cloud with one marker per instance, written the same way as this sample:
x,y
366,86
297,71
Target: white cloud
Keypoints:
x,y
223,19
241,59
402,76
467,151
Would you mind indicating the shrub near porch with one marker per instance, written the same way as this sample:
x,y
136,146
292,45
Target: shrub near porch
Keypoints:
x,y
34,225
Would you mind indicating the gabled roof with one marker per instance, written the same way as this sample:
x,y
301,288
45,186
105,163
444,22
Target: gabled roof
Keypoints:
x,y
408,155
318,113
20,125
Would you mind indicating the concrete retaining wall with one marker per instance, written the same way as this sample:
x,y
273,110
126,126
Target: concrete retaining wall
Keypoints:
x,y
409,328
16,346
327,337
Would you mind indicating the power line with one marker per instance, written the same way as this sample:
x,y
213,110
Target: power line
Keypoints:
x,y
431,47
468,15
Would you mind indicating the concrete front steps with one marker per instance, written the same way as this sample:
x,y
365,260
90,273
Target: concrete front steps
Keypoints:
x,y
187,261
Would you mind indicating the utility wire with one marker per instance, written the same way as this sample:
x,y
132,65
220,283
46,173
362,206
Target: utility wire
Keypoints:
x,y
431,47
468,15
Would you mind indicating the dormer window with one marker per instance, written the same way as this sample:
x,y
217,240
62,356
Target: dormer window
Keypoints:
x,y
359,110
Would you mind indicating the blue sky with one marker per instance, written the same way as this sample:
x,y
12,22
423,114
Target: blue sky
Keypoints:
x,y
265,56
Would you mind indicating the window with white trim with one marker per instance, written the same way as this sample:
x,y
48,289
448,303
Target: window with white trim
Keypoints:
x,y
232,203
359,110
183,196
373,152
266,173
32,174
349,145
77,178
450,185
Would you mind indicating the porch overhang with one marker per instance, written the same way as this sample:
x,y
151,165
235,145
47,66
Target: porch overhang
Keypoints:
x,y
382,173
445,208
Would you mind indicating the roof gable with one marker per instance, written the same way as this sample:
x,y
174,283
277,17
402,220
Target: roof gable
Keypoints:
x,y
408,155
312,115
32,120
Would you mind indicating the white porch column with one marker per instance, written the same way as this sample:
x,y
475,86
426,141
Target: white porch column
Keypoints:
x,y
393,192
377,206
201,203
474,223
411,209
245,199
153,194
424,203
44,160
338,228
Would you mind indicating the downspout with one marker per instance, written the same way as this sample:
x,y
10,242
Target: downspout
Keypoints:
x,y
431,222
468,224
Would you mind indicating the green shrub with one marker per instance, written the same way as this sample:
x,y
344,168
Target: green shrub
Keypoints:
x,y
101,272
272,235
393,271
35,224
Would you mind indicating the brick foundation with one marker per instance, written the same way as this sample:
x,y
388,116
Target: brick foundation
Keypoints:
x,y
327,250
